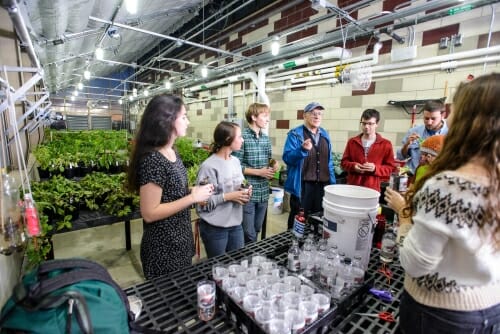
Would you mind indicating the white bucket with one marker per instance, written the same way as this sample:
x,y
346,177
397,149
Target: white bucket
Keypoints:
x,y
349,222
276,197
351,196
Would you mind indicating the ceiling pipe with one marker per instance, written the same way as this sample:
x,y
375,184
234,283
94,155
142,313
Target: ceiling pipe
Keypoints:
x,y
22,31
209,48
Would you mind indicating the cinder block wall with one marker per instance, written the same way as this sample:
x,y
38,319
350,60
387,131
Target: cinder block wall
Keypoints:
x,y
343,105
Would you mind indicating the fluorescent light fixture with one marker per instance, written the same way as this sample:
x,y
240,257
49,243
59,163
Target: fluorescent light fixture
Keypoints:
x,y
168,84
146,92
75,93
72,98
99,53
275,46
134,92
131,6
204,71
86,74
120,101
131,98
80,86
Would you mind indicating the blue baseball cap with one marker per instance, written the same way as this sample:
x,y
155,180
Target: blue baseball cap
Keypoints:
x,y
313,105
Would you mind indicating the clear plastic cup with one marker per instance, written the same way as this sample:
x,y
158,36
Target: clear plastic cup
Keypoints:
x,y
268,266
296,320
306,292
219,272
278,308
234,269
251,303
242,278
280,288
257,259
323,301
268,279
278,326
293,282
206,299
263,316
291,300
310,311
228,284
238,294
268,297
255,287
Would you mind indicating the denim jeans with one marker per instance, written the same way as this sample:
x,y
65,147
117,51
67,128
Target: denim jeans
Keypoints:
x,y
415,318
253,217
219,240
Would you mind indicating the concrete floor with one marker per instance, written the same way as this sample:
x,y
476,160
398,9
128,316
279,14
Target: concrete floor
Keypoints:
x,y
106,245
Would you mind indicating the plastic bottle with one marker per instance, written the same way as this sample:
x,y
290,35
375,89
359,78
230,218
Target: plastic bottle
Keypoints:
x,y
11,230
358,272
31,216
388,249
294,257
328,271
345,275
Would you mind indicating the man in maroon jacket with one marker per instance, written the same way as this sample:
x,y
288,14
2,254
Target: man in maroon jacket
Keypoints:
x,y
368,158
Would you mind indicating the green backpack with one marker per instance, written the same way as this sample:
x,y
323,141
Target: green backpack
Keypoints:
x,y
67,296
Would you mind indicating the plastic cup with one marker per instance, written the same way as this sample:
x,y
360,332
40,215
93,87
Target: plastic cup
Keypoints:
x,y
228,284
257,259
238,294
268,279
295,320
234,269
291,300
278,326
263,316
218,273
268,266
293,282
306,292
242,278
323,301
251,303
255,287
280,289
206,299
310,311
278,308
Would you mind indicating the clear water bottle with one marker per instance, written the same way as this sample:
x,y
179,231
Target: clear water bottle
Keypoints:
x,y
345,276
294,257
358,272
328,271
388,249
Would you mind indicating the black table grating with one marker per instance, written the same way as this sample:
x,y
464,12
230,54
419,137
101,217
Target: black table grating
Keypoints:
x,y
170,305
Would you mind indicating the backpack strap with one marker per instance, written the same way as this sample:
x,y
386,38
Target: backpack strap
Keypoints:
x,y
61,264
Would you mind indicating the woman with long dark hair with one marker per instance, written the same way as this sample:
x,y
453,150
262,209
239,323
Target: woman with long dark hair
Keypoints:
x,y
157,173
451,255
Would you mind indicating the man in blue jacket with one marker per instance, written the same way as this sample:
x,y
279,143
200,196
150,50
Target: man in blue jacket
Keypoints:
x,y
308,156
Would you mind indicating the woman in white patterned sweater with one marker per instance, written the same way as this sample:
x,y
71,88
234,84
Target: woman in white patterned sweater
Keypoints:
x,y
451,255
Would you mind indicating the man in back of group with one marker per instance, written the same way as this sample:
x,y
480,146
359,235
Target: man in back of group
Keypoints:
x,y
434,124
368,157
308,156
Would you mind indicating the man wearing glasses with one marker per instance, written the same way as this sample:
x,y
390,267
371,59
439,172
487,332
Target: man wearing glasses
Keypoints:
x,y
308,156
434,124
368,157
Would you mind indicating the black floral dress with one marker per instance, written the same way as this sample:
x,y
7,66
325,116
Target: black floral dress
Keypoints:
x,y
167,245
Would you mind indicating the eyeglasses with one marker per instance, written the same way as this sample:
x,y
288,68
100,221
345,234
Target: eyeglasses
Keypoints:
x,y
316,113
367,123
